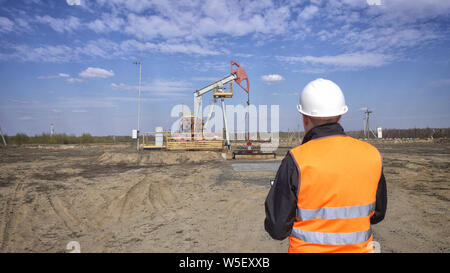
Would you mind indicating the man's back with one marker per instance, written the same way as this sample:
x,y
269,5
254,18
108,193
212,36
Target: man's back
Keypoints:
x,y
338,182
324,186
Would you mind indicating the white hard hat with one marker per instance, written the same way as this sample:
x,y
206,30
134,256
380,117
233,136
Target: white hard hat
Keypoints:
x,y
322,98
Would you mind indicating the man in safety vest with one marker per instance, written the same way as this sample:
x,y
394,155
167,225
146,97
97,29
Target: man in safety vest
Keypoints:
x,y
331,188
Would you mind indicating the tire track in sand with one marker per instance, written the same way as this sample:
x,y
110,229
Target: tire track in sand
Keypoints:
x,y
9,217
70,221
147,195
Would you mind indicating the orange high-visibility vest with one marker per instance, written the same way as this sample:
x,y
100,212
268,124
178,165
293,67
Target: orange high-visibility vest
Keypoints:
x,y
338,183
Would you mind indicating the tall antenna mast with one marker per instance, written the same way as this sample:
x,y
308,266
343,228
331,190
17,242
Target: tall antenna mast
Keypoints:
x,y
139,100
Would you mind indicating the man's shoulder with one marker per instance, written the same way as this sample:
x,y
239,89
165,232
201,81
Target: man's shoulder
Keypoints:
x,y
341,139
288,161
363,143
366,148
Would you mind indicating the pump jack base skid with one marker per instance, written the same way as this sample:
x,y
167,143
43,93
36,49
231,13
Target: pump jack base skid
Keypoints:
x,y
245,154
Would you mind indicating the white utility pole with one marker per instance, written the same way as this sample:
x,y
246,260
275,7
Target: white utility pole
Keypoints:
x,y
1,133
139,101
367,129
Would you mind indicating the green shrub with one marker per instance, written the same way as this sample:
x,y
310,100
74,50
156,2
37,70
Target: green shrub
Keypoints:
x,y
86,138
20,138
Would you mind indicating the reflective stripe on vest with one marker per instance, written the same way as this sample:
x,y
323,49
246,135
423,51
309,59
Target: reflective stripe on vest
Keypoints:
x,y
326,238
336,213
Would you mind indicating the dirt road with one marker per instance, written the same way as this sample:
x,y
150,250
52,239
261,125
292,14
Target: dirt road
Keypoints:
x,y
111,200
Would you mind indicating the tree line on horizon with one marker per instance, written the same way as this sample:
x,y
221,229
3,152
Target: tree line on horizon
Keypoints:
x,y
22,138
44,138
420,133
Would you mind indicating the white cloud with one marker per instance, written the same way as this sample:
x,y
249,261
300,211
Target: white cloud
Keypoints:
x,y
101,48
96,72
79,111
387,39
188,27
6,25
167,47
308,12
130,5
147,28
374,2
346,61
22,24
123,87
183,48
60,25
208,66
391,28
107,23
66,76
272,78
406,11
73,2
197,20
243,55
59,75
47,53
193,27
159,88
98,48
74,80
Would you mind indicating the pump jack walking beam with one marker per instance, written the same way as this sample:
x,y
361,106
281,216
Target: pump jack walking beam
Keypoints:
x,y
238,75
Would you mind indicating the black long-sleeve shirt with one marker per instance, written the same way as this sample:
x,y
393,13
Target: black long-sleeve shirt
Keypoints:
x,y
281,202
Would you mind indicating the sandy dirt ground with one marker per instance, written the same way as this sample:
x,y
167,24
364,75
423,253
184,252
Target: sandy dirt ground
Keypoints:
x,y
109,199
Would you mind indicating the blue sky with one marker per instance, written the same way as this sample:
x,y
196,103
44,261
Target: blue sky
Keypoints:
x,y
70,63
